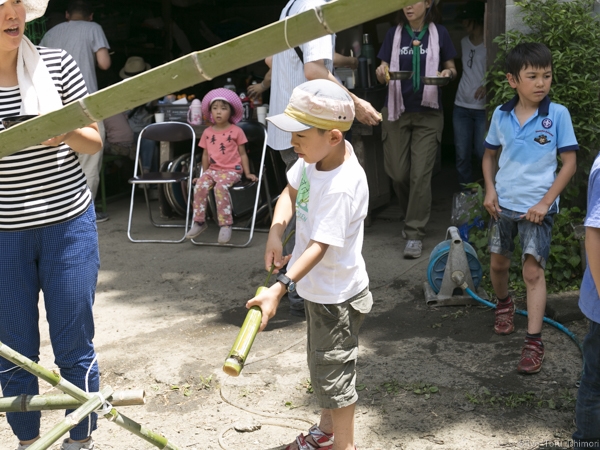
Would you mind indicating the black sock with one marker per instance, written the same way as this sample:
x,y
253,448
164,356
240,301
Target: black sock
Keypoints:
x,y
537,338
504,300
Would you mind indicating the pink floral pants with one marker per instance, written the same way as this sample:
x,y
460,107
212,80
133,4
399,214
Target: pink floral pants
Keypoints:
x,y
222,180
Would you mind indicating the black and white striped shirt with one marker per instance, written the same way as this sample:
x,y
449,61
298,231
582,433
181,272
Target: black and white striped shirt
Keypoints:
x,y
39,185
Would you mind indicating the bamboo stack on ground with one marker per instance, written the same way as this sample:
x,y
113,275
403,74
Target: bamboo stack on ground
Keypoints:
x,y
57,381
24,402
197,67
71,420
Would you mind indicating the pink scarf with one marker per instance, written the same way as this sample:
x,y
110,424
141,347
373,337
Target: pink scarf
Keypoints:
x,y
432,62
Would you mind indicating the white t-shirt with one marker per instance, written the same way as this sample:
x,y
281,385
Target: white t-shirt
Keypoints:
x,y
330,208
288,71
473,59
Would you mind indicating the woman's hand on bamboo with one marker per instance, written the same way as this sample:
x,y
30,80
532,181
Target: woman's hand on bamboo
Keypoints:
x,y
55,141
267,301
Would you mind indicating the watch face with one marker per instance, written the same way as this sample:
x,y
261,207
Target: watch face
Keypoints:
x,y
291,286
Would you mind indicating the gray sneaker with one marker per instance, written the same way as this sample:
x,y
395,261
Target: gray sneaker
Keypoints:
x,y
22,447
224,235
101,217
413,249
88,445
196,230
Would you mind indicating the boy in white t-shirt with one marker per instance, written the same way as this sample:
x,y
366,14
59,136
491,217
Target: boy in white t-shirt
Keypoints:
x,y
328,191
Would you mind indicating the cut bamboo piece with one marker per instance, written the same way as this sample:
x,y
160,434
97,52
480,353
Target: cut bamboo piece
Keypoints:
x,y
69,388
24,402
196,68
243,343
71,420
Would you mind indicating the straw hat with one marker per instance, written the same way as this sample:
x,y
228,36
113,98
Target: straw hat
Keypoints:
x,y
227,96
133,66
34,8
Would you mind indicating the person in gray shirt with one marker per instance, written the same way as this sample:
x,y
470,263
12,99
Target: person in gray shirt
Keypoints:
x,y
85,41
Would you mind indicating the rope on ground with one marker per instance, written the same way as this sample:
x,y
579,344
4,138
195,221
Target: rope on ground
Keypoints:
x,y
260,413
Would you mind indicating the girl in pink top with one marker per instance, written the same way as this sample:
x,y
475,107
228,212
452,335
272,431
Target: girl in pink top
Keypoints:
x,y
223,161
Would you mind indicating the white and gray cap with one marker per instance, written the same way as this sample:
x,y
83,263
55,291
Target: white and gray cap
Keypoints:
x,y
316,104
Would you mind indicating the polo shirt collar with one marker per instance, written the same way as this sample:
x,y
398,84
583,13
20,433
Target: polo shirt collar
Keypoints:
x,y
543,108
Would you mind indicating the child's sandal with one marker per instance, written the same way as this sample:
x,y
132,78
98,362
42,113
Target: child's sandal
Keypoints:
x,y
323,440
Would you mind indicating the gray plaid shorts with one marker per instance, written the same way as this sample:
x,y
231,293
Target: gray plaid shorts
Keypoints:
x,y
535,239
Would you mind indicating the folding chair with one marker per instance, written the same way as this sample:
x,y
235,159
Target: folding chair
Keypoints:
x,y
165,132
245,194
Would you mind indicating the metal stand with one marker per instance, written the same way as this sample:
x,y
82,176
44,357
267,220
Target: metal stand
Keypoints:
x,y
451,294
88,402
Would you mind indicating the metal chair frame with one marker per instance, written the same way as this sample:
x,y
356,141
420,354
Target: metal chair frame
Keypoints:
x,y
262,180
165,132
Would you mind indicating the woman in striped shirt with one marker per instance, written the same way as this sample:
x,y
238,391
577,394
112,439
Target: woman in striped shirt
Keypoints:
x,y
48,236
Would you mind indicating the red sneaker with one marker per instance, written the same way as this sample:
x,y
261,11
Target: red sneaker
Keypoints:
x,y
503,323
532,356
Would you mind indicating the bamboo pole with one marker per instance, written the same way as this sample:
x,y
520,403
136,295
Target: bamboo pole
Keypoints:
x,y
71,420
196,68
69,388
25,403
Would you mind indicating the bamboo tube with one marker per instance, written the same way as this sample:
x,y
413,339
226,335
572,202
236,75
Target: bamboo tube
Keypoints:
x,y
196,68
71,420
245,338
24,402
69,388
234,363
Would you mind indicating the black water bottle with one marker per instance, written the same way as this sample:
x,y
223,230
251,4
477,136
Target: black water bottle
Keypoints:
x,y
368,52
362,80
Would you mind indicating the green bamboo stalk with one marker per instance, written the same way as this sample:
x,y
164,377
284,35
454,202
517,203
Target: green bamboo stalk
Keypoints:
x,y
196,68
234,363
69,388
71,420
24,402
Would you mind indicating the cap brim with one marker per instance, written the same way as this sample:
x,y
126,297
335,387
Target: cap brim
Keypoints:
x,y
286,123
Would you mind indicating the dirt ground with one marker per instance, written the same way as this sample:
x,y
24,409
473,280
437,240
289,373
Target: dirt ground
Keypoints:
x,y
429,378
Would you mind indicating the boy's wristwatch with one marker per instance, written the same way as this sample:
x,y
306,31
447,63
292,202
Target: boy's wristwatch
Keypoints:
x,y
290,286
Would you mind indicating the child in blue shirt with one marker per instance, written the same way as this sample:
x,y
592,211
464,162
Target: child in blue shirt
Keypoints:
x,y
587,410
522,197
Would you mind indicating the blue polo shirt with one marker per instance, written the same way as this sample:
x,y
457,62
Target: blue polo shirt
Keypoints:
x,y
527,165
588,294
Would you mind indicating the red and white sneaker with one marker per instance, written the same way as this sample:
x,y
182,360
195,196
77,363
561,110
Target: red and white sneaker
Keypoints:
x,y
504,317
532,356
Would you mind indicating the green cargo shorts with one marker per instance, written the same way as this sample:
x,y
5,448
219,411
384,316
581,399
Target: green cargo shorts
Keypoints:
x,y
332,348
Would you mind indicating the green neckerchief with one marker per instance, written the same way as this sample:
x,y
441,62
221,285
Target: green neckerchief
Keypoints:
x,y
416,58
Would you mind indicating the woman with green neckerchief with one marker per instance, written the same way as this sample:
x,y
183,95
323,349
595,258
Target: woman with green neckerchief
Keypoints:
x,y
412,118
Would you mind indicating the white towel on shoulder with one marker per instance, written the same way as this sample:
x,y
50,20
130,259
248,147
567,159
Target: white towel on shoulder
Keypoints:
x,y
38,92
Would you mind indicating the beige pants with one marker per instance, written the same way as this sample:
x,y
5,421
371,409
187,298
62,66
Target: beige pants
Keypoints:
x,y
92,164
410,145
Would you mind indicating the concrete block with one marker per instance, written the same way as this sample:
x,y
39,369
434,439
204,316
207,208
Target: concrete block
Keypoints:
x,y
563,307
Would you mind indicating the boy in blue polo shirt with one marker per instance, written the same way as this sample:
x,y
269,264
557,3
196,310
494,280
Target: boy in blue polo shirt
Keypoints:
x,y
522,197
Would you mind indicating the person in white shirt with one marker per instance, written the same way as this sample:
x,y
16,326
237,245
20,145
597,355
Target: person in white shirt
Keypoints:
x,y
329,195
469,106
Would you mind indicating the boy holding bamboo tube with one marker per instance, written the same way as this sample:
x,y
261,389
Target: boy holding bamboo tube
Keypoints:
x,y
327,188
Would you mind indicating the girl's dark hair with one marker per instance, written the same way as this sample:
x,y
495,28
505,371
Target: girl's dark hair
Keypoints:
x,y
80,6
432,15
476,22
527,54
